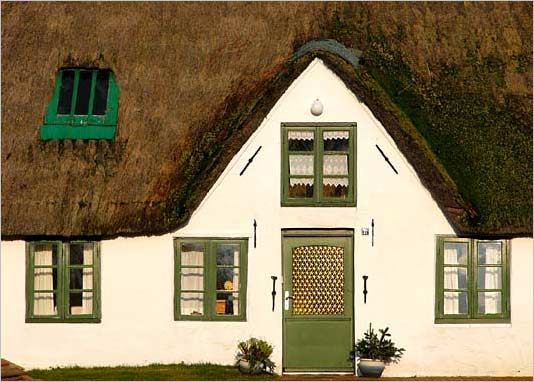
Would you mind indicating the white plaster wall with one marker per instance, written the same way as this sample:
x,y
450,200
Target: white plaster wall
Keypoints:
x,y
137,274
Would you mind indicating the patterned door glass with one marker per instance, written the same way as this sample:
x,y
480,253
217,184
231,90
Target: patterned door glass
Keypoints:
x,y
318,280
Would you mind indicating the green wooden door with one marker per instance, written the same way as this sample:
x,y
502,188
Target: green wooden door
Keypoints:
x,y
318,300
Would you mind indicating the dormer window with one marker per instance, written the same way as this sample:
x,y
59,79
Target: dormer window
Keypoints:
x,y
84,105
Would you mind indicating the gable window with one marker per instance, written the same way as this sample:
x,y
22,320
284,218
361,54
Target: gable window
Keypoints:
x,y
210,279
472,280
318,164
84,105
63,282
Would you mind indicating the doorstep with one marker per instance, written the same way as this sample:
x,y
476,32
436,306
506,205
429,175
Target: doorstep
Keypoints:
x,y
348,377
12,372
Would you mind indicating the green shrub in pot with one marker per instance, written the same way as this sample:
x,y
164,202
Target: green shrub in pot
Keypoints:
x,y
375,352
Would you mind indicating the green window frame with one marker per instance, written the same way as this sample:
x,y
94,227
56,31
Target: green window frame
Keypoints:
x,y
324,185
481,271
53,280
84,105
206,272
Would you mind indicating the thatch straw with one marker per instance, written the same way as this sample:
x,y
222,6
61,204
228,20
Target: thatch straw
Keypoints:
x,y
195,81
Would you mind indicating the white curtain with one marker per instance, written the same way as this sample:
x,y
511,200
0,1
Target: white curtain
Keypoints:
x,y
493,254
451,301
235,281
336,181
87,298
190,257
301,164
490,302
192,279
336,135
302,135
335,165
304,181
43,303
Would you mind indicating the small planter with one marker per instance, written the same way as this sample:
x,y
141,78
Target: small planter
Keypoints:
x,y
371,367
244,367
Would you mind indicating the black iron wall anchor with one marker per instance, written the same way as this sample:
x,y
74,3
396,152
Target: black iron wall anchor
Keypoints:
x,y
255,225
273,293
372,232
249,161
387,160
365,289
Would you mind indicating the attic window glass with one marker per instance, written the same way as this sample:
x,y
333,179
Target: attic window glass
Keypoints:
x,y
318,165
210,279
63,282
472,280
84,105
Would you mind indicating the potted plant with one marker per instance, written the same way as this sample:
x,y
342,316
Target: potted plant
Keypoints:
x,y
253,356
374,352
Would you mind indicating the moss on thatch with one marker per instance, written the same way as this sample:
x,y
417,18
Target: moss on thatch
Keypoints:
x,y
196,79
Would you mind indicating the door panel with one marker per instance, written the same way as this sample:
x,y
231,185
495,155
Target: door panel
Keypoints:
x,y
318,308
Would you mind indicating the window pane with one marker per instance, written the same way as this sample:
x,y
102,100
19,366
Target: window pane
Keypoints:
x,y
65,92
44,304
300,140
81,278
81,303
301,188
336,140
227,304
192,279
455,303
227,279
335,187
192,254
301,165
455,278
489,302
489,253
84,92
45,279
101,93
81,253
228,254
192,304
45,254
335,165
455,253
489,278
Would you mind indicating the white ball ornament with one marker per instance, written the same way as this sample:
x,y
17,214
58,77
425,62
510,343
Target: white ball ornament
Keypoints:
x,y
316,108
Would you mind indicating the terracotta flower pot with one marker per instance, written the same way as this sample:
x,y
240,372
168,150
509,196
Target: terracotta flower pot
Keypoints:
x,y
371,367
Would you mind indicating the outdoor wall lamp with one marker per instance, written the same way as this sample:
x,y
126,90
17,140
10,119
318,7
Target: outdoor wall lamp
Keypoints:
x,y
317,107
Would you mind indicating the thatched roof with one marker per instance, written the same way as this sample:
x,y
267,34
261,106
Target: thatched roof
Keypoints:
x,y
452,83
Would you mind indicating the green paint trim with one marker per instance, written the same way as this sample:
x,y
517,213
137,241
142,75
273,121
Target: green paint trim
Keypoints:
x,y
318,199
210,278
90,126
472,315
62,289
77,132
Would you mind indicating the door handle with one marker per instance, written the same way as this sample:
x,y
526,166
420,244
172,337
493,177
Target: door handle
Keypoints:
x,y
287,297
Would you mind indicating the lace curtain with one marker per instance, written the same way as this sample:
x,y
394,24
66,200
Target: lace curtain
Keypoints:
x,y
43,303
